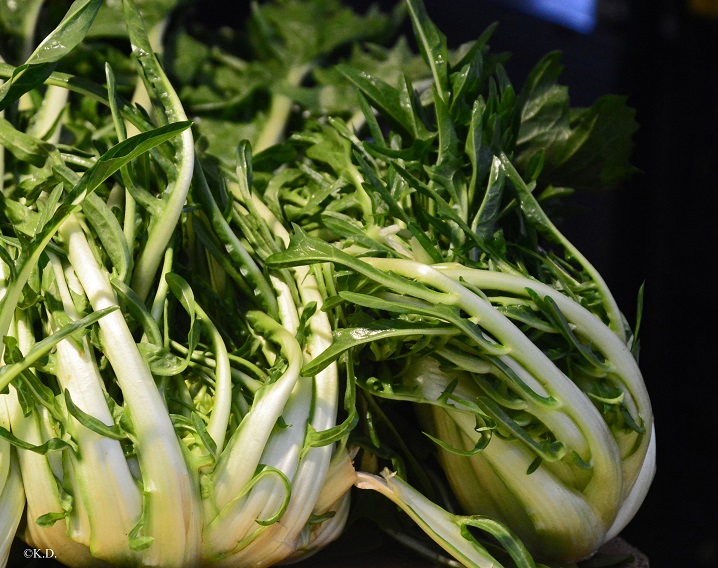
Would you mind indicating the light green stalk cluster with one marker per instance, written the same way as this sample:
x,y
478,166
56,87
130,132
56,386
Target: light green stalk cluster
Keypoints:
x,y
538,451
135,430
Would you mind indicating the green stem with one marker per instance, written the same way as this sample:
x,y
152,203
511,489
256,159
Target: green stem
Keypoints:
x,y
222,404
175,196
279,110
540,220
233,247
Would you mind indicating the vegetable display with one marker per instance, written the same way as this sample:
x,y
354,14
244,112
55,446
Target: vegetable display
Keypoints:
x,y
254,283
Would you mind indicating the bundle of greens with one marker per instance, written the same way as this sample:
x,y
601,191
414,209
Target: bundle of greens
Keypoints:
x,y
183,307
453,289
143,430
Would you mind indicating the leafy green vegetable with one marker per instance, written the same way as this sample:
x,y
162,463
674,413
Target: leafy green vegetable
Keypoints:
x,y
243,272
456,293
154,426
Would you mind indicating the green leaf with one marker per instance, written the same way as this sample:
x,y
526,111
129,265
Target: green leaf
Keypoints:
x,y
153,74
113,432
204,435
119,155
137,541
296,32
49,519
109,232
552,312
503,535
24,147
346,338
546,450
432,45
51,445
304,249
584,148
316,438
24,78
69,33
481,444
397,211
137,309
392,102
183,292
596,154
25,220
34,390
40,349
232,249
487,217
41,63
18,19
110,22
161,361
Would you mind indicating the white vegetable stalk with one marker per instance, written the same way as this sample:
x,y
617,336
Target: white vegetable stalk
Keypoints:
x,y
312,476
636,496
169,504
335,499
237,465
447,530
42,491
102,478
289,494
549,514
171,517
222,407
624,369
309,475
12,492
42,476
562,511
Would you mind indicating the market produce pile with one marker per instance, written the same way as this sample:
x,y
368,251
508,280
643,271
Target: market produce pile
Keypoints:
x,y
260,284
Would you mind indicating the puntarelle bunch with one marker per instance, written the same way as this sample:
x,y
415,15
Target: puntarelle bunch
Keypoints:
x,y
161,436
243,273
